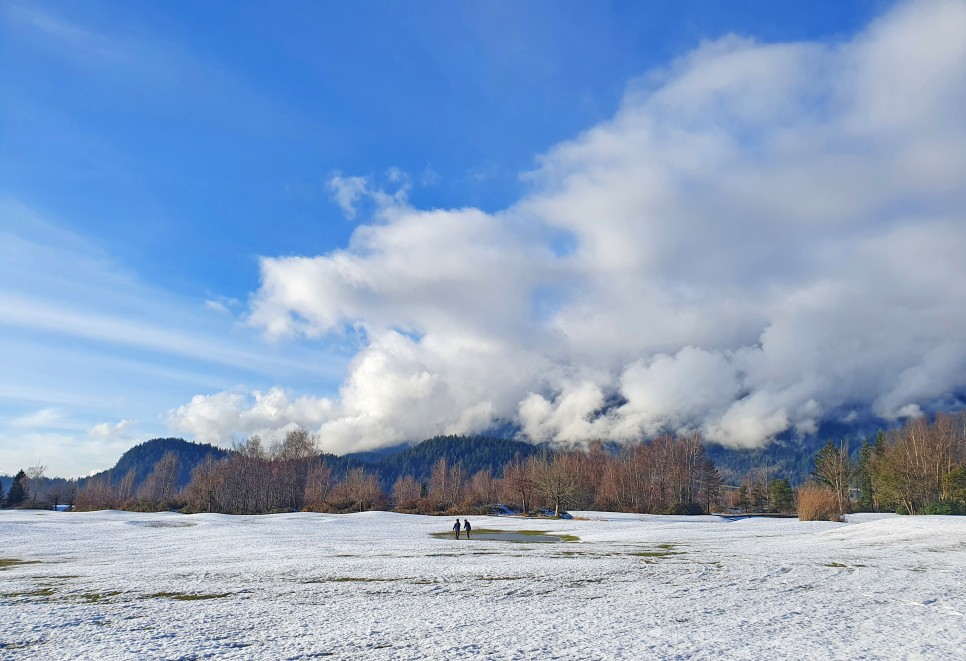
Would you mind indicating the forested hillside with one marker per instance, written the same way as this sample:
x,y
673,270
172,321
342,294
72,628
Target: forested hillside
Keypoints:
x,y
472,453
142,458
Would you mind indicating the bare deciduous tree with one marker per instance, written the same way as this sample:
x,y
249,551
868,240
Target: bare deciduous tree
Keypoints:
x,y
553,480
835,470
318,485
517,483
406,492
162,483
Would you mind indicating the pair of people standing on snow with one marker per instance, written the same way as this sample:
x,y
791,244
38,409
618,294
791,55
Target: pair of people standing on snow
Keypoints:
x,y
466,526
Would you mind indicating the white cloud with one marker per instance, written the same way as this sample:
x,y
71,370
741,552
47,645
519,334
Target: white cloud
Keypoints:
x,y
43,418
120,430
350,192
216,306
763,236
346,191
397,176
221,305
65,453
221,417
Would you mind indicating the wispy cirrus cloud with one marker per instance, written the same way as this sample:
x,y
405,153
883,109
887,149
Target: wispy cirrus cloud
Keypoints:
x,y
85,340
68,286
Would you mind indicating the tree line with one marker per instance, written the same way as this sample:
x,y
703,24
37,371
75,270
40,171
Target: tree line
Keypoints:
x,y
919,468
32,488
671,474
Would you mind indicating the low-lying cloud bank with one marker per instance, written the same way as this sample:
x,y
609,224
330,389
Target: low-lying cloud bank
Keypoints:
x,y
764,236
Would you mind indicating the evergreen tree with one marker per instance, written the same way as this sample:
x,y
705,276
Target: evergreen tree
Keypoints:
x,y
759,497
782,498
880,443
742,502
18,490
864,477
712,484
955,484
1,494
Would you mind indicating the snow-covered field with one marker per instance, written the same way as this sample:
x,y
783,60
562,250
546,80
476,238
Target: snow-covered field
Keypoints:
x,y
376,585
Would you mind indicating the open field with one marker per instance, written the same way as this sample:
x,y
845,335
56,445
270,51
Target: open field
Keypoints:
x,y
378,585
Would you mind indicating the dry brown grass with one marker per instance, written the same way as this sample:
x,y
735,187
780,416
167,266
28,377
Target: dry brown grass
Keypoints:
x,y
817,503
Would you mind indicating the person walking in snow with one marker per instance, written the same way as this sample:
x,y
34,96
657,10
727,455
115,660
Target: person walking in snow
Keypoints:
x,y
466,526
456,528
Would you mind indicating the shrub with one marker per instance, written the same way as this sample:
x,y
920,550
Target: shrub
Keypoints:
x,y
817,503
944,507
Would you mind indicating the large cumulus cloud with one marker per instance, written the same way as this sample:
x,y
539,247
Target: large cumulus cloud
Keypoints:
x,y
764,236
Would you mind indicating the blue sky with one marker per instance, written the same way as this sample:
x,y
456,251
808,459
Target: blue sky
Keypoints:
x,y
180,181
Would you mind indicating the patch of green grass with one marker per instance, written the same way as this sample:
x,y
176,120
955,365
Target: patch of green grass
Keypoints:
x,y
94,597
502,578
361,579
350,579
449,535
835,564
6,563
588,554
540,533
182,596
655,554
42,592
561,537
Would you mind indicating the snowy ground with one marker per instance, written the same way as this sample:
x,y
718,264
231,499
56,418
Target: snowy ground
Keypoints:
x,y
376,585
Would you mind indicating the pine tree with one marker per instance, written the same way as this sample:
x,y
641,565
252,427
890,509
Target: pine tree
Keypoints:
x,y
955,483
742,502
864,477
782,498
759,497
18,490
